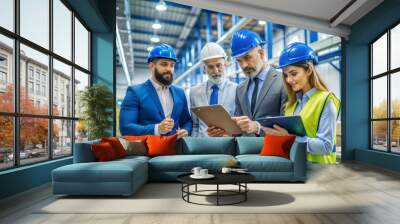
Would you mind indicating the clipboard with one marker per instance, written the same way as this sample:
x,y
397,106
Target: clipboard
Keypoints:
x,y
293,124
216,115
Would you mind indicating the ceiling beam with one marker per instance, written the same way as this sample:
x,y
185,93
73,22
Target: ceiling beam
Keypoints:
x,y
137,31
268,14
150,19
347,11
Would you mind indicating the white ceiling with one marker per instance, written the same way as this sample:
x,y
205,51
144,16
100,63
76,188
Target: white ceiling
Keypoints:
x,y
317,15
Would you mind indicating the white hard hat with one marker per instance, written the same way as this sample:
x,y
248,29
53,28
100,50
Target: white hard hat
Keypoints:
x,y
212,50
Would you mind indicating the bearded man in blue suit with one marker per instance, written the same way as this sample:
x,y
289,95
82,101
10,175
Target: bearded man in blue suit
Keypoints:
x,y
156,107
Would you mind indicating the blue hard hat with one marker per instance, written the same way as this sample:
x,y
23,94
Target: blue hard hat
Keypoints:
x,y
162,51
243,41
297,52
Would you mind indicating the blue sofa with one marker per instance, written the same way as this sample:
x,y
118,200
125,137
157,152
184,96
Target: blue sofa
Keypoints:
x,y
125,176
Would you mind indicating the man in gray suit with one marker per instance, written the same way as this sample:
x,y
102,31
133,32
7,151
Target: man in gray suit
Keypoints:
x,y
262,93
216,90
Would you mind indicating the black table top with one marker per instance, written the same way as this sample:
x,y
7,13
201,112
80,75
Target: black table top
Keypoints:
x,y
220,178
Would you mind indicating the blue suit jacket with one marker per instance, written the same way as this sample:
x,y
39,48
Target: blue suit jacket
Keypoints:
x,y
141,110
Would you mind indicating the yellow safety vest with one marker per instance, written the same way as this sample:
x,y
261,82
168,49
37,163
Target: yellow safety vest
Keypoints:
x,y
311,114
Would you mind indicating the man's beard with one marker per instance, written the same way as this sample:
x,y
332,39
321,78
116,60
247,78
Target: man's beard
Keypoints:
x,y
216,79
253,72
160,77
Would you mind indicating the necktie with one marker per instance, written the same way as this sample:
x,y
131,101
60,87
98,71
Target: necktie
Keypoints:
x,y
254,95
214,95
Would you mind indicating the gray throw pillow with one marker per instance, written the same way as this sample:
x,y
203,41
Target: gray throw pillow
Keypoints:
x,y
136,147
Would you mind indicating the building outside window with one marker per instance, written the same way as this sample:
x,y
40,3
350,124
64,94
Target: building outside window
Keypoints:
x,y
385,96
34,75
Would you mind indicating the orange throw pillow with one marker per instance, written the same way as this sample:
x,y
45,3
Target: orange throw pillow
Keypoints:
x,y
161,145
103,152
116,145
277,145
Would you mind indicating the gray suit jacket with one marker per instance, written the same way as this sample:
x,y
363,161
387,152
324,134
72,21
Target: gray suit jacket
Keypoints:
x,y
199,97
270,101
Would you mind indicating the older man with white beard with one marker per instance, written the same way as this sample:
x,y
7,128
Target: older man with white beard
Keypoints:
x,y
216,90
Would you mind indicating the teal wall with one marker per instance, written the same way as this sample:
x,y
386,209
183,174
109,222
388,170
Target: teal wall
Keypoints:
x,y
103,65
99,16
356,102
24,178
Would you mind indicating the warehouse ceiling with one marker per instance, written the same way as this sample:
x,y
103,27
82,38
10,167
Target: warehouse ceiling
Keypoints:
x,y
135,19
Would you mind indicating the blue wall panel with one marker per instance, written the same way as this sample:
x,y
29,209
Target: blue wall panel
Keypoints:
x,y
24,178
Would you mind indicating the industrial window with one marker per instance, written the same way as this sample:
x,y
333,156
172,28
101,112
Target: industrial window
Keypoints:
x,y
385,96
34,52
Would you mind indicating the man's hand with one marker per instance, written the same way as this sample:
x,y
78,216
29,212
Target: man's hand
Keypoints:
x,y
276,130
213,131
246,125
182,133
165,126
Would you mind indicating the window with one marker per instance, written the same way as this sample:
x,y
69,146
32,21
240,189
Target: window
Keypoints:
x,y
30,72
37,74
30,87
81,45
81,81
35,22
62,29
7,142
7,14
3,61
62,137
3,78
38,89
385,96
44,91
6,74
62,74
45,131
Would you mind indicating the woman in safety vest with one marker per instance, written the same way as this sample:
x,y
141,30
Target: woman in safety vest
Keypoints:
x,y
309,97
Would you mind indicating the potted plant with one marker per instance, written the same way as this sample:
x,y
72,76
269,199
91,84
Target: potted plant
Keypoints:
x,y
97,104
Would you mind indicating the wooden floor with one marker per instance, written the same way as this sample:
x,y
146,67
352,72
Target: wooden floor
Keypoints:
x,y
378,188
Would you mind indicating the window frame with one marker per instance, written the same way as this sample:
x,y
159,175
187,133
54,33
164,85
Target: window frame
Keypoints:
x,y
388,74
16,114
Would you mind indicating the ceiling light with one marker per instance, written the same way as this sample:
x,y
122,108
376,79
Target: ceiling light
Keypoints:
x,y
161,6
155,39
149,48
190,64
261,22
156,26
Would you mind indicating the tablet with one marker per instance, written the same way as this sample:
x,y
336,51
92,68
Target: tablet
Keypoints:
x,y
216,115
293,124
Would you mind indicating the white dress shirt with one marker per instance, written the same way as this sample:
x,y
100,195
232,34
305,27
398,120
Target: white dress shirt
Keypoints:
x,y
166,100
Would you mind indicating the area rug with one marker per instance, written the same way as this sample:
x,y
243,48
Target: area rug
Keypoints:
x,y
167,198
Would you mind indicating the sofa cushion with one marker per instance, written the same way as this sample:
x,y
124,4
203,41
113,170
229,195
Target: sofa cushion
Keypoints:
x,y
257,163
207,145
134,147
161,145
112,171
249,145
116,145
83,152
185,163
277,145
103,152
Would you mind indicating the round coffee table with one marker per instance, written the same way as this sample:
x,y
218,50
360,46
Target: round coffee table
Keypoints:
x,y
238,179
